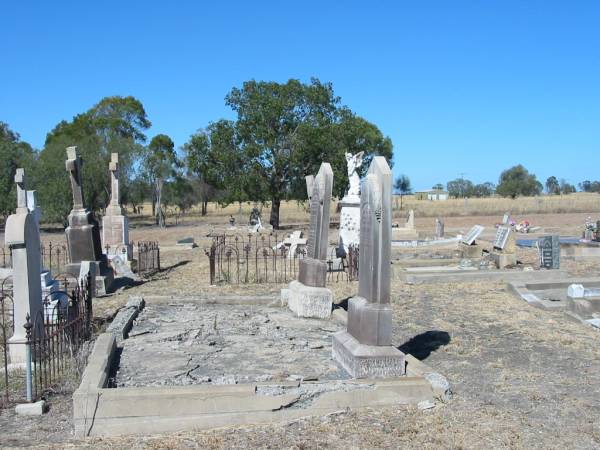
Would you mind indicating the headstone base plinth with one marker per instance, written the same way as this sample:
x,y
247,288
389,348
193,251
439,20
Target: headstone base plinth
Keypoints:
x,y
404,234
503,260
469,251
308,301
104,275
367,361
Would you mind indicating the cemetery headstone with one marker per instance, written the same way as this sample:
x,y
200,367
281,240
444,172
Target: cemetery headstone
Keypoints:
x,y
293,243
549,252
439,228
115,224
350,207
307,296
506,219
504,248
23,239
83,233
473,234
364,349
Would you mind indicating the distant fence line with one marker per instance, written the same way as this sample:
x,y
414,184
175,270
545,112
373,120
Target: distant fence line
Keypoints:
x,y
54,257
260,258
53,339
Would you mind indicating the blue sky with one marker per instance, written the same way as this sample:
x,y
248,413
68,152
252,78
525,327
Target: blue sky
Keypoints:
x,y
467,87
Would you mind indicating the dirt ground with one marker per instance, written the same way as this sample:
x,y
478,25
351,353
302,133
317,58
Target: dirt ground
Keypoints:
x,y
521,377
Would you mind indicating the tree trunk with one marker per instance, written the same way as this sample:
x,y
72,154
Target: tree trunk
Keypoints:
x,y
160,216
400,201
204,206
274,220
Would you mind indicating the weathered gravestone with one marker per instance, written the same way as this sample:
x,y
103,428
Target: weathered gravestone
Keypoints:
x,y
504,248
439,228
307,296
48,284
350,207
365,349
22,236
115,225
468,247
83,233
549,252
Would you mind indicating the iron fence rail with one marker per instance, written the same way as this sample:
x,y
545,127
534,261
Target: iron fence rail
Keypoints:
x,y
53,339
257,259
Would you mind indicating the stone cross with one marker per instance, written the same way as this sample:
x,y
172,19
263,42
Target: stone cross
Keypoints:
x,y
21,192
73,165
318,233
113,167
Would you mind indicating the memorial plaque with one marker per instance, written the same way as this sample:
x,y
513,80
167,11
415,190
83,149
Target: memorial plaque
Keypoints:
x,y
549,252
473,234
502,235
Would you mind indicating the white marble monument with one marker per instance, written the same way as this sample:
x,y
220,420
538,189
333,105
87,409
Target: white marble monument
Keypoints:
x,y
350,212
22,236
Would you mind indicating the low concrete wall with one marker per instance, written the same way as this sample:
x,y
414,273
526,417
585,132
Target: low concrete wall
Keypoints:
x,y
481,275
102,411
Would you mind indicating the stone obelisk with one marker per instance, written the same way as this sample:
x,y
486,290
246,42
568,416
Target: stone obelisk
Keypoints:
x,y
365,349
307,296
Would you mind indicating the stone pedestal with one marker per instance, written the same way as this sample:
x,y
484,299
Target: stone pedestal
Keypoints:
x,y
308,301
504,260
469,251
115,236
308,296
367,361
349,223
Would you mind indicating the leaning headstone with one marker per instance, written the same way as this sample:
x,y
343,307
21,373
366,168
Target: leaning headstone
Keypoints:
x,y
307,296
115,224
472,235
22,236
350,207
365,349
83,233
506,219
468,246
549,252
504,248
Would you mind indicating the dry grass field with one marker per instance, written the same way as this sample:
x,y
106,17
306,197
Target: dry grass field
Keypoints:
x,y
521,377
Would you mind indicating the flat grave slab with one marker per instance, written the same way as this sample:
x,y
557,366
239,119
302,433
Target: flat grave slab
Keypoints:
x,y
552,295
184,343
206,362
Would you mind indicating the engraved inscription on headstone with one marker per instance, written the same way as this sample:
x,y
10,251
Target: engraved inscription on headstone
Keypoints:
x,y
502,235
473,234
549,252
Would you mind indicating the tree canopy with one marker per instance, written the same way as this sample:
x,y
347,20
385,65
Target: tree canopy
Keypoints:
x,y
517,181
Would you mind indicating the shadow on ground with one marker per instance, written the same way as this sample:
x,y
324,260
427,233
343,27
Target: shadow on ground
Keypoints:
x,y
422,345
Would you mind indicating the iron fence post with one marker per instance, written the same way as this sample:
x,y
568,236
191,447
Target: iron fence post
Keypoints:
x,y
28,374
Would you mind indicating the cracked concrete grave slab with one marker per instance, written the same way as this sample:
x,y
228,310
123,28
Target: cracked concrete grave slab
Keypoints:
x,y
188,344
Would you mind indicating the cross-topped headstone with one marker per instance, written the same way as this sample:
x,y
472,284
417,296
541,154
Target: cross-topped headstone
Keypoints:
x,y
113,167
73,165
21,192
